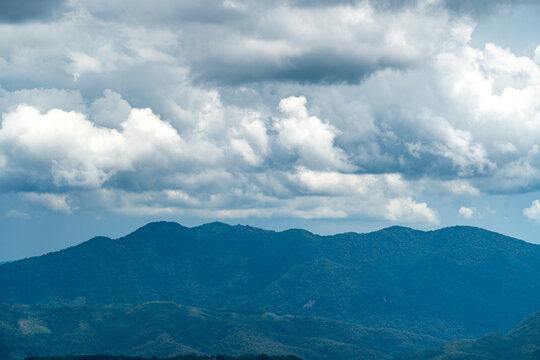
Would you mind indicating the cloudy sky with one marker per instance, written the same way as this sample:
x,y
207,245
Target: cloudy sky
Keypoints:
x,y
330,116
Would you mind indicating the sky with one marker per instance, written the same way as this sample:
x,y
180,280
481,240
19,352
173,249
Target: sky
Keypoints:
x,y
330,116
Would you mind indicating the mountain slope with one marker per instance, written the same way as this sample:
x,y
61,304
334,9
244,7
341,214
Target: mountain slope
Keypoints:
x,y
168,329
523,342
449,283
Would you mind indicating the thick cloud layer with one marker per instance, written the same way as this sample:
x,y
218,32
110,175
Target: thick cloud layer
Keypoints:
x,y
300,109
18,11
146,165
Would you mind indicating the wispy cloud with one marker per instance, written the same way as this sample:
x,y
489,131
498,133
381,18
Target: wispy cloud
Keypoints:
x,y
53,202
13,213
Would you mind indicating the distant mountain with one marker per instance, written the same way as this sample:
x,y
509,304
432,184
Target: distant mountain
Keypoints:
x,y
168,329
522,343
449,283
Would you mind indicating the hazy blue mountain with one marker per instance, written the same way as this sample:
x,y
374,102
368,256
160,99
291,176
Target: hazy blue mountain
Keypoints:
x,y
522,343
168,329
449,283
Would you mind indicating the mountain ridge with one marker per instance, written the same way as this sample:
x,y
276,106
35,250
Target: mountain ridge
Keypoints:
x,y
150,225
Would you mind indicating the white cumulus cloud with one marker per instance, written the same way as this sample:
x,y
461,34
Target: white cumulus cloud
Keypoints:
x,y
311,137
533,212
468,212
66,149
408,210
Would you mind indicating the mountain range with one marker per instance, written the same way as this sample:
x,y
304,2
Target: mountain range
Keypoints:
x,y
383,294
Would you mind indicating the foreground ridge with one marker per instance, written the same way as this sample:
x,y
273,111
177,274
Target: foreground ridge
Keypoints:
x,y
185,357
522,342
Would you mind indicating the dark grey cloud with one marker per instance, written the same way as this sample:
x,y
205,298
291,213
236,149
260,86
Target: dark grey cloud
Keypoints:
x,y
166,12
13,11
480,8
239,42
474,8
323,66
322,3
221,44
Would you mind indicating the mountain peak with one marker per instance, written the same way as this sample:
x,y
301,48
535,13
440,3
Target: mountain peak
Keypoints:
x,y
398,228
158,227
160,224
214,225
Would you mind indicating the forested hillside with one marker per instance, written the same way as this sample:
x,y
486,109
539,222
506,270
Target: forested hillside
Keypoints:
x,y
523,343
387,293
